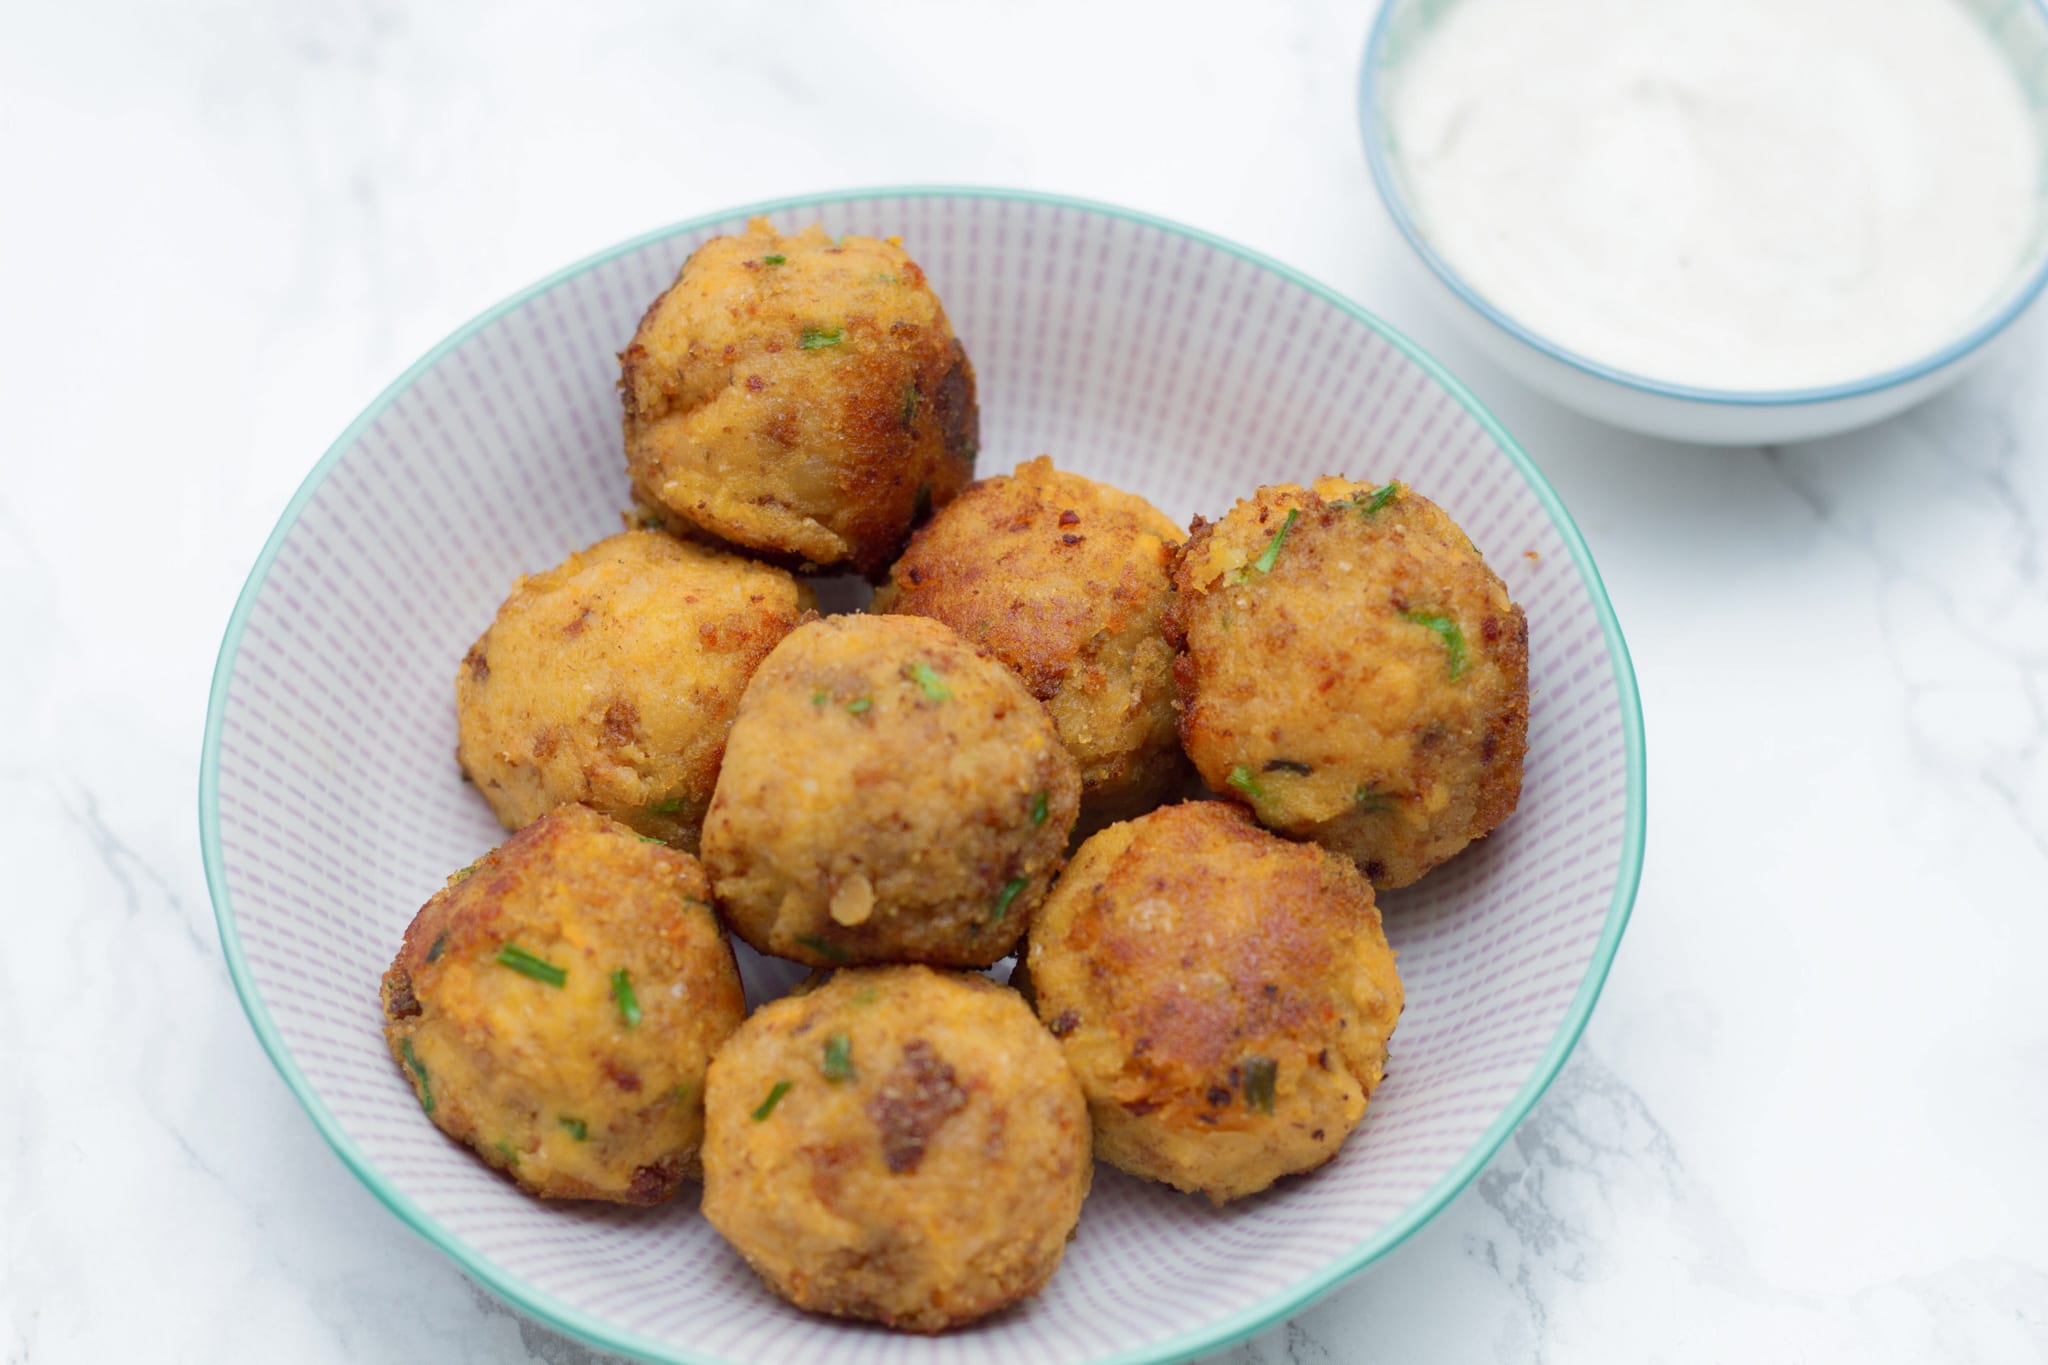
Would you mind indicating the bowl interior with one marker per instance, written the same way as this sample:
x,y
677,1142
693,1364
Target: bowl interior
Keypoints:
x,y
2017,28
1135,352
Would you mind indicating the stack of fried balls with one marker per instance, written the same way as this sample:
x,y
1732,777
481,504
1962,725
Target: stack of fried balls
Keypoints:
x,y
1005,755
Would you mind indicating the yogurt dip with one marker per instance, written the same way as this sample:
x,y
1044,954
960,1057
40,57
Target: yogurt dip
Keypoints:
x,y
1743,195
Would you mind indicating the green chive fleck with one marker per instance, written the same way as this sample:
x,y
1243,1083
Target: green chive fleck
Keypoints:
x,y
820,697
466,872
774,1098
911,398
1365,504
1447,631
934,686
504,1146
838,1058
1372,802
681,1092
526,964
440,947
773,260
866,995
576,1128
650,839
1010,890
859,705
1242,779
668,807
1265,562
1038,810
886,278
823,947
818,338
419,1069
1261,1075
623,997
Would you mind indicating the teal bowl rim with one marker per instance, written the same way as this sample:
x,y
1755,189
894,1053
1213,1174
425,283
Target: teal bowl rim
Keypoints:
x,y
1384,181
599,1333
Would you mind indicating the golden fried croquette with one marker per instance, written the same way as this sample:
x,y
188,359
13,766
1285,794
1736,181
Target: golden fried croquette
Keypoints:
x,y
1352,669
800,396
611,680
1065,580
900,1145
1225,996
556,1004
888,795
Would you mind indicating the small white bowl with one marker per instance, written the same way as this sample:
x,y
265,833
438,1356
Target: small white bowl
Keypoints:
x,y
1680,411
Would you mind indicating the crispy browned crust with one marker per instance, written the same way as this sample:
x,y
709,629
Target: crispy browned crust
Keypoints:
x,y
809,457
858,818
1316,681
635,904
1277,910
1065,580
1189,948
611,680
932,1182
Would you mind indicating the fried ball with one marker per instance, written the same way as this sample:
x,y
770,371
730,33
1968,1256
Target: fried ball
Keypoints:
x,y
1225,996
803,397
1352,669
611,680
1065,580
889,795
900,1145
555,1007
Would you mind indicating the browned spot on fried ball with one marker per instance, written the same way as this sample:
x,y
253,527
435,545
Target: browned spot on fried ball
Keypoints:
x,y
399,1001
621,718
916,1099
651,1183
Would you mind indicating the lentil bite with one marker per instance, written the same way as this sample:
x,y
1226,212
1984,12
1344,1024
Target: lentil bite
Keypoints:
x,y
611,680
801,396
1225,996
888,795
1065,580
899,1145
556,1005
1352,670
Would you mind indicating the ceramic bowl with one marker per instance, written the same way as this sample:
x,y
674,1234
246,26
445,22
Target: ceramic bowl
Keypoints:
x,y
1158,358
2019,29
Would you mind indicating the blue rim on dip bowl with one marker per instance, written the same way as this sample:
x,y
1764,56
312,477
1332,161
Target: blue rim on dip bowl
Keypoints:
x,y
2018,29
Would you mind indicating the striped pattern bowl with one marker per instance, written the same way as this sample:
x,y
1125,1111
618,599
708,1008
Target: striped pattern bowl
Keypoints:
x,y
1154,357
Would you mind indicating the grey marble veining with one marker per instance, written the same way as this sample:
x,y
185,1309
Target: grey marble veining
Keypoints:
x,y
1807,1122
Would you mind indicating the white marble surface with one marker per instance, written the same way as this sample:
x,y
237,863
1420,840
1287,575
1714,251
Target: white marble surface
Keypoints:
x,y
1809,1119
